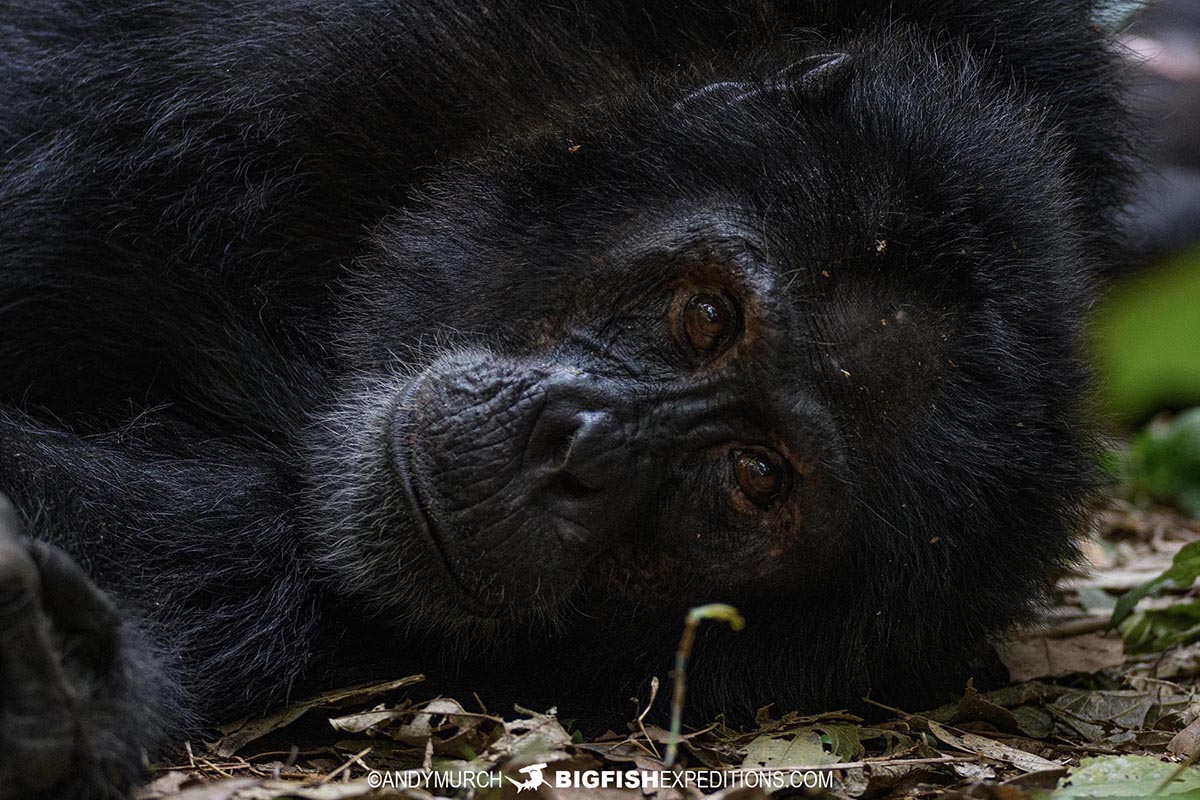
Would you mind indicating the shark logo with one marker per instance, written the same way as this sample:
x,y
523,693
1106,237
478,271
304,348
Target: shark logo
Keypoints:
x,y
533,780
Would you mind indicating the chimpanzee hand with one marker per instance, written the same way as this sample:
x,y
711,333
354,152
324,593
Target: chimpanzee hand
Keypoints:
x,y
73,719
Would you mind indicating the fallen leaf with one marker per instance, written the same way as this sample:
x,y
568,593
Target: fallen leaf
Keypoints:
x,y
973,771
240,733
163,787
1096,714
245,789
368,720
451,729
1126,777
535,734
844,740
804,749
989,748
1187,741
1042,657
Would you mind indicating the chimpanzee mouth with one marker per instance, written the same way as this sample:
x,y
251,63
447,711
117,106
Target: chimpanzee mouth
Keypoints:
x,y
402,464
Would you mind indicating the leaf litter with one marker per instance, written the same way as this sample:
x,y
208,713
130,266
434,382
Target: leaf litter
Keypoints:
x,y
1092,712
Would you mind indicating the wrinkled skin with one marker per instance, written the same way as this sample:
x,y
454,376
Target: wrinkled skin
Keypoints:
x,y
487,344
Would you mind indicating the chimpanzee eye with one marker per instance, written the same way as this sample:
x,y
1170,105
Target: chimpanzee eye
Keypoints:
x,y
759,473
709,320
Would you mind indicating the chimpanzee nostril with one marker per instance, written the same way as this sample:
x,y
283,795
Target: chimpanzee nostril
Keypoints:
x,y
580,451
597,437
496,461
570,485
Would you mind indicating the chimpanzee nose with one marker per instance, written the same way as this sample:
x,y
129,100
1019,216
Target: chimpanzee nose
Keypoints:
x,y
581,452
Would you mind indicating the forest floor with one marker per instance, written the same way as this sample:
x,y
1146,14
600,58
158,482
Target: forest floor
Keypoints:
x,y
1082,718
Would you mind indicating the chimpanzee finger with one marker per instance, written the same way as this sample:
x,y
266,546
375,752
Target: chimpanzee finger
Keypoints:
x,y
74,603
37,729
10,524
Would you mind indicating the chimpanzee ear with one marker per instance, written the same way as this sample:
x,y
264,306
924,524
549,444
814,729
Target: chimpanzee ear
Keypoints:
x,y
811,74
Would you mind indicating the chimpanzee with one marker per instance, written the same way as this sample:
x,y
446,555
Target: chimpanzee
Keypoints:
x,y
341,338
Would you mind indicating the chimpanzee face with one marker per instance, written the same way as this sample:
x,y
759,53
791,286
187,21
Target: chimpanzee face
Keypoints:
x,y
727,340
646,436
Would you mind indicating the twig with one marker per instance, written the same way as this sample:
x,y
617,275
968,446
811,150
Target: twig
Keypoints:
x,y
345,766
642,716
898,712
218,767
206,764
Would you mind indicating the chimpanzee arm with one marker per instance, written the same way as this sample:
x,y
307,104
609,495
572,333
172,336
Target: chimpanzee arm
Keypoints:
x,y
184,601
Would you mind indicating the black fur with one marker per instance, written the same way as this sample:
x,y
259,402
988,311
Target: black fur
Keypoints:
x,y
235,237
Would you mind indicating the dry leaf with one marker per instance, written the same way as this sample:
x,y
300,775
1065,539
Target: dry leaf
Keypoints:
x,y
1187,741
1042,657
240,733
989,748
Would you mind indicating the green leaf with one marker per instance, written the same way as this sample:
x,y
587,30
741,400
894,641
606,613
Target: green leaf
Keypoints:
x,y
1160,628
805,749
843,741
1164,462
1182,573
1144,343
1127,776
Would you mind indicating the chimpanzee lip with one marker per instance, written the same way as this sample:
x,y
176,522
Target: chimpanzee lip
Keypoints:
x,y
402,465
